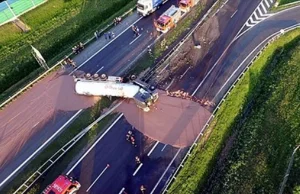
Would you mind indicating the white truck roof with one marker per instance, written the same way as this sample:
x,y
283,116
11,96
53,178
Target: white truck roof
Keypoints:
x,y
105,88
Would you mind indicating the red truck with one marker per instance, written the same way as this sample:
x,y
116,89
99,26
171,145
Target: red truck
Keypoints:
x,y
63,185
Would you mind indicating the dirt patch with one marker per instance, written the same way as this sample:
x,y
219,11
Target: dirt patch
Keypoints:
x,y
172,121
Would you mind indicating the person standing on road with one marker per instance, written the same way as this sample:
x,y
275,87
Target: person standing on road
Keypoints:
x,y
143,189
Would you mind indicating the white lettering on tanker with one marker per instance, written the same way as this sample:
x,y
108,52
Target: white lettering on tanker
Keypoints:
x,y
112,87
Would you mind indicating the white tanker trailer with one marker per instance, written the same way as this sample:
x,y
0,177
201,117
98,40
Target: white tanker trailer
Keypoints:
x,y
112,86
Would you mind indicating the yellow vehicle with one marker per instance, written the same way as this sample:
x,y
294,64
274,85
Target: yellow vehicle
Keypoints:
x,y
168,19
186,5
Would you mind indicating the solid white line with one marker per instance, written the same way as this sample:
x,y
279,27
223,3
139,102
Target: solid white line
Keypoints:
x,y
97,178
138,168
268,5
135,39
233,14
244,62
153,148
123,189
264,8
164,147
95,143
164,68
99,69
105,45
184,73
170,84
41,147
165,171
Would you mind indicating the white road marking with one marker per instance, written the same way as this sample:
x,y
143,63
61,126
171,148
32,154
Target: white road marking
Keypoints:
x,y
107,166
35,124
184,73
40,148
170,84
99,69
164,147
164,68
242,64
268,5
138,168
95,143
135,39
153,148
105,45
265,11
123,189
165,171
233,14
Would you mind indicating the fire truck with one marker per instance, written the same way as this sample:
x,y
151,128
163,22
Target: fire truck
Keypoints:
x,y
143,94
63,185
186,5
168,19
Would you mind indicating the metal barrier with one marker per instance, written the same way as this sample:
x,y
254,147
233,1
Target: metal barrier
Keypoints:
x,y
55,157
11,9
268,40
57,64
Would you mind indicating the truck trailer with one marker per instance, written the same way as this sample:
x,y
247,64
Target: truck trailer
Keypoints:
x,y
143,95
63,185
168,19
146,7
186,5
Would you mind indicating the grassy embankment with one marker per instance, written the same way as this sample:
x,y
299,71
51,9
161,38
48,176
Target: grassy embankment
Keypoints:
x,y
55,26
250,141
85,118
285,4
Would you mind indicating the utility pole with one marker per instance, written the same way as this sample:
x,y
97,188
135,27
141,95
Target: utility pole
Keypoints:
x,y
287,173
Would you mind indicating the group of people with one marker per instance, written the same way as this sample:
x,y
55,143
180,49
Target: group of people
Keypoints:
x,y
68,61
130,138
109,35
78,48
185,95
117,20
136,30
142,189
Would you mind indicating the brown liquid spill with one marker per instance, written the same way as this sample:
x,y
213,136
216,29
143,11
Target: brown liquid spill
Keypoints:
x,y
172,121
24,118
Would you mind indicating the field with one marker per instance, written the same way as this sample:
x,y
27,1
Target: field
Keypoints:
x,y
248,145
282,2
55,27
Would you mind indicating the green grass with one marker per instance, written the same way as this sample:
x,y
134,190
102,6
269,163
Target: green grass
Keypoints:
x,y
85,118
55,27
282,2
259,147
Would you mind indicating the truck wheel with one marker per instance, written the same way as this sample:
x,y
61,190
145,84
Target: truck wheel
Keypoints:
x,y
133,77
104,76
96,76
152,87
88,76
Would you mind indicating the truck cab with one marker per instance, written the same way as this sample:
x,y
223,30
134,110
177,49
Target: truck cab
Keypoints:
x,y
145,97
168,19
63,185
186,5
146,7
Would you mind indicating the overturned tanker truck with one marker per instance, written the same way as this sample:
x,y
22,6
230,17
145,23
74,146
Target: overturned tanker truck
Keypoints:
x,y
143,94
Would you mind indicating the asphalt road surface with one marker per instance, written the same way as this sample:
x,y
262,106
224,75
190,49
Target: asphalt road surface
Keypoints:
x,y
113,59
159,160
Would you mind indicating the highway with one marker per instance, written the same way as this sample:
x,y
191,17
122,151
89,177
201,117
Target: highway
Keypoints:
x,y
159,160
29,123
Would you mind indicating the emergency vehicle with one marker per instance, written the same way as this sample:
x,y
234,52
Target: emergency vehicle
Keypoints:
x,y
63,185
168,19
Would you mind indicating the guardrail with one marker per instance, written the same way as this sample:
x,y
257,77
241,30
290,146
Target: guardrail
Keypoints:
x,y
269,40
57,155
57,64
165,60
